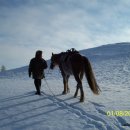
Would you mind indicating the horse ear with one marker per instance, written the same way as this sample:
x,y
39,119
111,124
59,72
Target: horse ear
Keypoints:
x,y
52,54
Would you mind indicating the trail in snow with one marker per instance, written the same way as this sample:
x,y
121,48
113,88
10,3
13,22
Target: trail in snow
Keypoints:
x,y
21,109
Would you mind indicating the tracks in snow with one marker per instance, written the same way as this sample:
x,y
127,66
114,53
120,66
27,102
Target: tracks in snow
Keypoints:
x,y
95,120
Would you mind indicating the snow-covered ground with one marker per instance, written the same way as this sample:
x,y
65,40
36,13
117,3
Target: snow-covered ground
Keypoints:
x,y
21,109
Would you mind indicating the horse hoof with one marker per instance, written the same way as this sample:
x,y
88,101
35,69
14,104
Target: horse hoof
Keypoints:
x,y
64,92
68,91
81,100
75,96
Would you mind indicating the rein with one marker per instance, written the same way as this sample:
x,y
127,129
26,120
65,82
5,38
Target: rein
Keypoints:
x,y
48,84
49,87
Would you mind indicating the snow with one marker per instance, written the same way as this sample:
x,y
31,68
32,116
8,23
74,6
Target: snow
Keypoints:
x,y
21,109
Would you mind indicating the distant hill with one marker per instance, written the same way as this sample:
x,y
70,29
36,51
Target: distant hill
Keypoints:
x,y
119,52
106,52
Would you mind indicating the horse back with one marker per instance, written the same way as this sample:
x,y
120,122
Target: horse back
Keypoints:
x,y
77,62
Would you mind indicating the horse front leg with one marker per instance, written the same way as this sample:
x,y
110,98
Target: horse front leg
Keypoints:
x,y
65,86
67,79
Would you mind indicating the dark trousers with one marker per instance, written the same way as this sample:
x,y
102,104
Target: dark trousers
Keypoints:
x,y
37,83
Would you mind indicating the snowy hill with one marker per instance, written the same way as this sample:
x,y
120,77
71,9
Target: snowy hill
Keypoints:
x,y
118,51
113,59
21,109
110,51
15,73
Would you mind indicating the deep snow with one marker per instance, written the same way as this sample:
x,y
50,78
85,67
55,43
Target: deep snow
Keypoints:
x,y
21,109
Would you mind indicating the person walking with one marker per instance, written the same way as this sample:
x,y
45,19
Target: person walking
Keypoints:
x,y
36,69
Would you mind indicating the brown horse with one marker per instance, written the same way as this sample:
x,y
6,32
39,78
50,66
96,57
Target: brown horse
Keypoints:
x,y
72,63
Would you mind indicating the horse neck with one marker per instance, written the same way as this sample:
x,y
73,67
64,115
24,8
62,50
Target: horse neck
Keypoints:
x,y
59,57
62,57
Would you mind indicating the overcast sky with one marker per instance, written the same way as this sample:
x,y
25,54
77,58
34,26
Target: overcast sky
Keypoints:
x,y
57,25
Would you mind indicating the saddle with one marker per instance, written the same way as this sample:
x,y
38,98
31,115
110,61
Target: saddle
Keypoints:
x,y
70,52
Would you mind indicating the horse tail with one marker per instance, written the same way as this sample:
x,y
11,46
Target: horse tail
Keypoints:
x,y
90,76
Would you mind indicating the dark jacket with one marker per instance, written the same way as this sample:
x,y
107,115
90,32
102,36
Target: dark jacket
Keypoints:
x,y
36,68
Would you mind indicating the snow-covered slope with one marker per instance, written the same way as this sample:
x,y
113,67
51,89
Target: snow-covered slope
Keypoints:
x,y
20,109
112,59
110,51
15,73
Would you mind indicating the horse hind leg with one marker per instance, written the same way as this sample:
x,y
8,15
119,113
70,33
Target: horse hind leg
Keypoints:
x,y
82,93
79,86
76,92
68,90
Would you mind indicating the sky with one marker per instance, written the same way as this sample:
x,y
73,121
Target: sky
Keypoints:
x,y
58,25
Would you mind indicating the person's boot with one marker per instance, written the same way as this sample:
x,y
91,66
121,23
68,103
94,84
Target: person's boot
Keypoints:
x,y
39,92
36,93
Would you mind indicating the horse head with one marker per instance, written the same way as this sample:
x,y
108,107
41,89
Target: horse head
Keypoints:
x,y
54,60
